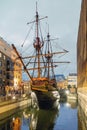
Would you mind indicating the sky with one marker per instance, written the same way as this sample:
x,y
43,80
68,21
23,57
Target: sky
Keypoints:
x,y
63,19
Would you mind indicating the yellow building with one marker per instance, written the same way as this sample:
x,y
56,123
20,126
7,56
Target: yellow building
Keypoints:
x,y
62,84
61,81
17,69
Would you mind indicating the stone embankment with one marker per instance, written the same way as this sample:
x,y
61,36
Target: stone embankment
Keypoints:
x,y
82,99
82,106
9,107
72,96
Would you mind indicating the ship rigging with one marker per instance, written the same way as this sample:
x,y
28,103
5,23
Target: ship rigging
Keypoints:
x,y
43,81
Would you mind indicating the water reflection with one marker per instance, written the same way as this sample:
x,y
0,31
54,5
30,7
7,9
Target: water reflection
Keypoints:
x,y
39,119
5,125
67,119
72,104
55,119
31,119
16,124
46,119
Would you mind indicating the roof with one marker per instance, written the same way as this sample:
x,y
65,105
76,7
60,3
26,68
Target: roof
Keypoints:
x,y
72,74
60,77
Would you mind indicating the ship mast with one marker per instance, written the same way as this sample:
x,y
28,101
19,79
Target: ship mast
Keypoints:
x,y
48,36
37,41
38,44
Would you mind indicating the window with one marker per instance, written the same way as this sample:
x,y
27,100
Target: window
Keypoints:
x,y
4,72
0,54
0,71
4,57
0,80
0,63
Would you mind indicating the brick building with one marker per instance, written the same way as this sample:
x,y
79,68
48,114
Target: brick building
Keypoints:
x,y
10,69
82,66
82,47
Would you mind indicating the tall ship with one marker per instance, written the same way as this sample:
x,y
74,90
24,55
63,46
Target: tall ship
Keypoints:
x,y
40,67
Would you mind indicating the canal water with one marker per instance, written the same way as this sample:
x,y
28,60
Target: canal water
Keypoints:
x,y
63,118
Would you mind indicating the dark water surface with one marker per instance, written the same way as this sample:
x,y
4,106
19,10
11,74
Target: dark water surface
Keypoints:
x,y
65,118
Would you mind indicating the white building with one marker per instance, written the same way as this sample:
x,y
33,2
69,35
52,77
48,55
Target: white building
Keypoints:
x,y
72,80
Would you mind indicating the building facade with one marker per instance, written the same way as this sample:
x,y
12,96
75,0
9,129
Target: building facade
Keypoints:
x,y
10,68
61,81
82,66
82,47
72,80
